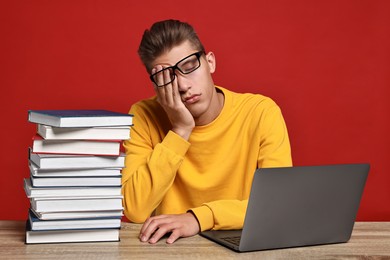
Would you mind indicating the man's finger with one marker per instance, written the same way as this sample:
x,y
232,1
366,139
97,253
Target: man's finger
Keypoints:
x,y
173,237
175,92
151,226
159,78
148,228
160,232
168,88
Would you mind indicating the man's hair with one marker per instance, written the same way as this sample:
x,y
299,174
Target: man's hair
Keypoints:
x,y
162,37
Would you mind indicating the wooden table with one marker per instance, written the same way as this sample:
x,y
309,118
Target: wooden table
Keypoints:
x,y
370,240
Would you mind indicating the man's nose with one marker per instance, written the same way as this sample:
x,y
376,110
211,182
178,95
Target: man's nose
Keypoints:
x,y
183,82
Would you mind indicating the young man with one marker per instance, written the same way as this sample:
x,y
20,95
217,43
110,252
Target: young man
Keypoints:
x,y
194,146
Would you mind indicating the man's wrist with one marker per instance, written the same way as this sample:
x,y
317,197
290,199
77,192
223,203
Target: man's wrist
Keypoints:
x,y
176,143
183,132
193,214
205,217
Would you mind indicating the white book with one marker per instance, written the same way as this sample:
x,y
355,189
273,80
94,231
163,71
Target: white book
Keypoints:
x,y
75,181
90,147
76,204
78,214
90,133
91,223
63,161
35,192
68,236
82,172
79,118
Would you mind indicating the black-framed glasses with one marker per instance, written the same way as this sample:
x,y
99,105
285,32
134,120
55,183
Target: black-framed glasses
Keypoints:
x,y
185,66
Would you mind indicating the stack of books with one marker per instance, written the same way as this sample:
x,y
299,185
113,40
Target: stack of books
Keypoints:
x,y
75,166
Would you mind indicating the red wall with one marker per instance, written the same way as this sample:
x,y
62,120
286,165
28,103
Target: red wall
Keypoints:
x,y
326,63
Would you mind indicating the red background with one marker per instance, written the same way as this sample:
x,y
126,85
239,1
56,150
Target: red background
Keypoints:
x,y
326,63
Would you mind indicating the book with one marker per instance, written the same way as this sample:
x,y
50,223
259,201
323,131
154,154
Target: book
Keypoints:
x,y
90,133
75,181
91,223
78,214
75,164
75,172
79,118
89,147
53,192
69,236
62,161
64,204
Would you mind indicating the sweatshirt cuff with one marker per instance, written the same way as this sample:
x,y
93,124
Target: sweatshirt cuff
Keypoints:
x,y
205,217
176,143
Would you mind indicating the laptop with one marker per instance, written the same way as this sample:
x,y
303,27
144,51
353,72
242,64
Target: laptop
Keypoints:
x,y
298,206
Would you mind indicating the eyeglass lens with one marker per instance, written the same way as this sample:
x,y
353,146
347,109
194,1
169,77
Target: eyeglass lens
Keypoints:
x,y
185,66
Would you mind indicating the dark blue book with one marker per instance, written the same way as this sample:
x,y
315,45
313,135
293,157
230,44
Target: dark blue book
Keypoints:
x,y
79,118
73,224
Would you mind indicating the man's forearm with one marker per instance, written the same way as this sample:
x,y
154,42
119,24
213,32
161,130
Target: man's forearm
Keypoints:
x,y
145,181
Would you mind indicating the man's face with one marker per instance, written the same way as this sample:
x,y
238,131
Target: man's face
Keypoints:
x,y
196,88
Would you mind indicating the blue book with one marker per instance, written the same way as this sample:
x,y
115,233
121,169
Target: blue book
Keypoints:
x,y
74,224
79,118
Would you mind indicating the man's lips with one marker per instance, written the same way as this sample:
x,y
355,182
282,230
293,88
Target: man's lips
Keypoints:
x,y
192,99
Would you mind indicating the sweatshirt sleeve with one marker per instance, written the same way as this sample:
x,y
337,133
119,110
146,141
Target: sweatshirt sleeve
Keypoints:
x,y
274,146
149,169
221,214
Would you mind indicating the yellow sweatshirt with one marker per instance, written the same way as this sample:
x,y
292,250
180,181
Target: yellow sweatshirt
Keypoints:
x,y
211,174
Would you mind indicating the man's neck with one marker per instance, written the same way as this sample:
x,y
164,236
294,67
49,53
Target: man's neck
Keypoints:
x,y
214,110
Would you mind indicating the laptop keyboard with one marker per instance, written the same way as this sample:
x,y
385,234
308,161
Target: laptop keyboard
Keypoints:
x,y
232,240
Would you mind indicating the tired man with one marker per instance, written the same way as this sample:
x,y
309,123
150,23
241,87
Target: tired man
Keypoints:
x,y
194,146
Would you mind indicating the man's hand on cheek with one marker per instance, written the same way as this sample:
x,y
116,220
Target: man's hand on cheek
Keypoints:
x,y
182,225
169,98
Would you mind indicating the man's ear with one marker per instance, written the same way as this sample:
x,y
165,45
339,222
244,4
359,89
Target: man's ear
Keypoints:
x,y
210,58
